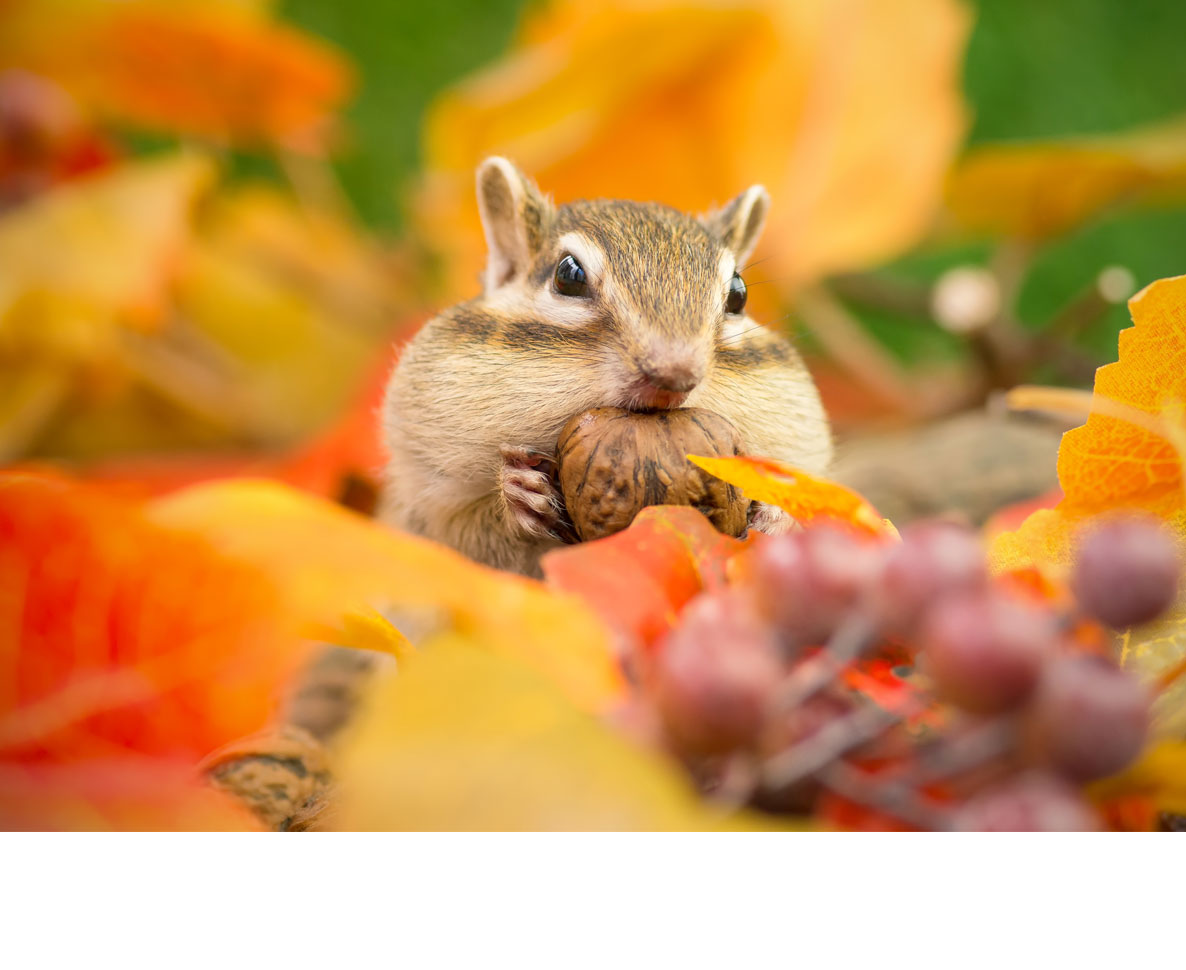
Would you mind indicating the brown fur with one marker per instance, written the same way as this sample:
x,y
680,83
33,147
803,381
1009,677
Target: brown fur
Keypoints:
x,y
510,367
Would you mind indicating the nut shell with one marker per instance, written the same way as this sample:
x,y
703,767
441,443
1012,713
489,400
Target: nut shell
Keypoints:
x,y
614,462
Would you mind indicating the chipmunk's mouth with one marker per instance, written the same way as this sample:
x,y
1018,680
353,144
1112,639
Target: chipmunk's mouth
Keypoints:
x,y
644,397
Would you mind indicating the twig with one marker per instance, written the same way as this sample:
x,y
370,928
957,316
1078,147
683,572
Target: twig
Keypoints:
x,y
853,637
898,801
962,752
827,745
843,337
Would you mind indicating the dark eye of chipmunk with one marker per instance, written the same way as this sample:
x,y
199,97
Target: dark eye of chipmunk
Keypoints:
x,y
570,278
735,298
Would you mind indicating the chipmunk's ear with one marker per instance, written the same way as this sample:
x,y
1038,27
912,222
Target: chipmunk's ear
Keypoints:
x,y
514,216
740,222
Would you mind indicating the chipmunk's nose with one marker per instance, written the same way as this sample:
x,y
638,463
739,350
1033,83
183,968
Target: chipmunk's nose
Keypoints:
x,y
678,374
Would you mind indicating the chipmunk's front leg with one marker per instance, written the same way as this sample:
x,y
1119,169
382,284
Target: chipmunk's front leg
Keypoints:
x,y
531,503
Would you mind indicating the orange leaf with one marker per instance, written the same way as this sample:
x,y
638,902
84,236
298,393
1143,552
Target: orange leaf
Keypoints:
x,y
1108,461
805,497
127,652
327,561
812,103
118,635
638,580
126,794
1129,453
214,69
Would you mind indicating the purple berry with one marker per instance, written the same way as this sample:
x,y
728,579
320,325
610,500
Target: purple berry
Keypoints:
x,y
1127,573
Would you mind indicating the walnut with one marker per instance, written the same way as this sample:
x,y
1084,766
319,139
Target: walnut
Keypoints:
x,y
614,462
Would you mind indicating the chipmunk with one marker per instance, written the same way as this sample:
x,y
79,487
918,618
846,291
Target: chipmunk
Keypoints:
x,y
584,305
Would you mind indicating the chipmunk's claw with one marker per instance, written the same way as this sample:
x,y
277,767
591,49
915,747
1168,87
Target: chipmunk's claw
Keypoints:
x,y
530,499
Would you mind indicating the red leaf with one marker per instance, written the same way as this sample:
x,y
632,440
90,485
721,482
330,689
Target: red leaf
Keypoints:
x,y
640,579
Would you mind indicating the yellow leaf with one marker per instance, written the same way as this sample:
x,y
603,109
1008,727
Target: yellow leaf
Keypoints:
x,y
327,561
109,240
285,324
469,739
1037,190
1151,651
808,98
365,630
803,496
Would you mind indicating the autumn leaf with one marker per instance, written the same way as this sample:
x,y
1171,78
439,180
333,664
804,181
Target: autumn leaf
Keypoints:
x,y
101,605
639,579
84,265
1127,458
107,241
139,323
1110,461
127,652
469,738
809,99
327,562
345,458
1038,190
221,70
805,497
128,794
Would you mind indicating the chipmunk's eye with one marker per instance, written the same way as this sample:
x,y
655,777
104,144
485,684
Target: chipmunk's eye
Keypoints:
x,y
735,298
570,278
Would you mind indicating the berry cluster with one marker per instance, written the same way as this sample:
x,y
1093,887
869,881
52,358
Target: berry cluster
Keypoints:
x,y
1005,702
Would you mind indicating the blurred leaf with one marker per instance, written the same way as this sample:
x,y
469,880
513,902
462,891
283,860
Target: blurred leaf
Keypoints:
x,y
1160,774
1153,651
805,497
292,304
110,240
639,579
468,738
1034,191
813,103
126,794
327,561
117,634
367,630
219,69
138,324
127,652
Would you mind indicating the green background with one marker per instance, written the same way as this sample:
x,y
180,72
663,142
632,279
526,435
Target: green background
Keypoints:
x,y
1034,68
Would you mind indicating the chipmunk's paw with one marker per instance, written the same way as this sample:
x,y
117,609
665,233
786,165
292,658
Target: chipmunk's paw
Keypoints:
x,y
531,502
770,519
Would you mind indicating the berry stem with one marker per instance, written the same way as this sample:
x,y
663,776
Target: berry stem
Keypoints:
x,y
852,638
827,745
